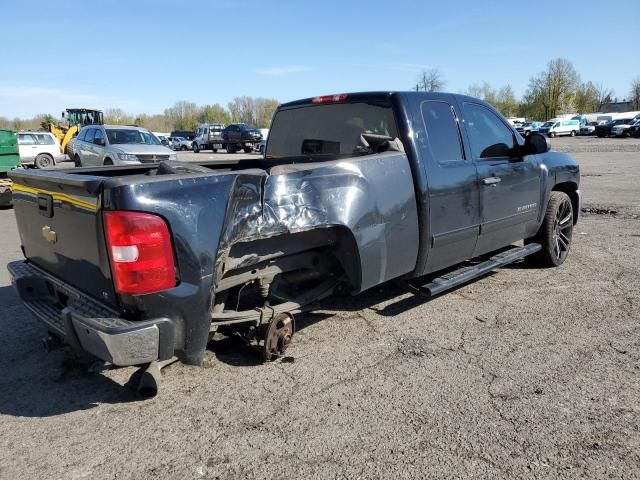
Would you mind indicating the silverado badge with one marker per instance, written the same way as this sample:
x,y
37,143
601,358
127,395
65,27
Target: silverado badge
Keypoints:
x,y
49,235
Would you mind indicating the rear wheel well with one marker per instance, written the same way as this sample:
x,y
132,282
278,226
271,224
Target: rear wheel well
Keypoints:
x,y
291,262
571,189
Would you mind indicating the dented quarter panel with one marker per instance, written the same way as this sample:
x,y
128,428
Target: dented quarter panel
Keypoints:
x,y
379,209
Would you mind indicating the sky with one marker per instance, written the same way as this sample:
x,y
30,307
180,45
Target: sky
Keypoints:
x,y
143,55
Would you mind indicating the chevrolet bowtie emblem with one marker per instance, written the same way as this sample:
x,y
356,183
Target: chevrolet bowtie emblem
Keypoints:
x,y
49,235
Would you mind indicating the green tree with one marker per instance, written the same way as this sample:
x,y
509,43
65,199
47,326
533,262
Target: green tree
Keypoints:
x,y
47,119
586,99
551,91
256,112
214,114
183,115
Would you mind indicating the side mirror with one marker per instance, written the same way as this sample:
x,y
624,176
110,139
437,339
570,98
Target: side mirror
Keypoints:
x,y
99,141
536,143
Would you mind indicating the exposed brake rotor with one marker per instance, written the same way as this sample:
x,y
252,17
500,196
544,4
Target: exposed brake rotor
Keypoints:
x,y
278,336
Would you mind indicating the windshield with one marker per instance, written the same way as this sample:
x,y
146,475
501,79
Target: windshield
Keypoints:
x,y
547,124
329,129
118,136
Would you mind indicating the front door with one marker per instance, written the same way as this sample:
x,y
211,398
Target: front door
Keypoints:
x,y
508,183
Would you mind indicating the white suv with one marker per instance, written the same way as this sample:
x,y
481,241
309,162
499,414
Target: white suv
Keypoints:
x,y
40,149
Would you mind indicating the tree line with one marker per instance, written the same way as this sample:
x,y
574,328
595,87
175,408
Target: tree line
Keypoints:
x,y
556,90
183,115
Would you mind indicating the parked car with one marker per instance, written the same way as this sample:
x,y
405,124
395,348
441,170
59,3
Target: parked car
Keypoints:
x,y
189,135
240,136
181,143
556,128
118,145
634,131
261,146
354,190
39,149
589,128
527,127
604,130
164,140
623,129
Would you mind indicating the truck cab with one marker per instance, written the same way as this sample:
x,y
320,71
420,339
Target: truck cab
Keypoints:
x,y
208,137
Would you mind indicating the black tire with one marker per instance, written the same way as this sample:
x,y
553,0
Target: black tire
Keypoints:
x,y
195,147
248,149
231,148
76,161
44,160
600,135
214,150
183,148
573,133
107,161
555,232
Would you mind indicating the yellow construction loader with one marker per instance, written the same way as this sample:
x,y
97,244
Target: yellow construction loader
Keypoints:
x,y
76,118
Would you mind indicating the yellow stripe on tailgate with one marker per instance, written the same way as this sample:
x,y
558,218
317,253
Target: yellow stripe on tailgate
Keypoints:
x,y
61,197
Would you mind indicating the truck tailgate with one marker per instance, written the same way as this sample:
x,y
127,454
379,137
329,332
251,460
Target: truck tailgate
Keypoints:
x,y
60,224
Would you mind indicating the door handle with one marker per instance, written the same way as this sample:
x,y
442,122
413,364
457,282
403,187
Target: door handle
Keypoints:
x,y
491,181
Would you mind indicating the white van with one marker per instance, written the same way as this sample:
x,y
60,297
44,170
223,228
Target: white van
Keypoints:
x,y
559,127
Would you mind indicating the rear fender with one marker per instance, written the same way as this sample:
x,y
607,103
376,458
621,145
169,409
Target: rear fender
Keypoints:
x,y
359,194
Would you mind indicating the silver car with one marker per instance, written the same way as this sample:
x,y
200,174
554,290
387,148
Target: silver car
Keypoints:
x,y
118,145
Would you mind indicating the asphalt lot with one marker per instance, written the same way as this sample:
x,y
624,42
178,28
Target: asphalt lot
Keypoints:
x,y
525,373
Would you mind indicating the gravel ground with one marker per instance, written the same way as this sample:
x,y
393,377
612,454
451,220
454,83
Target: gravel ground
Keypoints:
x,y
525,373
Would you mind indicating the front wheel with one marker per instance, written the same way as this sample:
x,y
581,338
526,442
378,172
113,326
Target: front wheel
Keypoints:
x,y
573,133
43,161
248,149
552,134
76,161
231,148
183,148
196,148
555,232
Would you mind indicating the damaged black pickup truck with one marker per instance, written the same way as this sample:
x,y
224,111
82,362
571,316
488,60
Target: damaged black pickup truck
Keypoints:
x,y
139,264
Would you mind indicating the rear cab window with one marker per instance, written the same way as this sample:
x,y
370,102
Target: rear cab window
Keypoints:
x,y
331,130
442,130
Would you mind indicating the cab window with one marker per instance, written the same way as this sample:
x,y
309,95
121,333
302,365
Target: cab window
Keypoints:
x,y
488,135
442,131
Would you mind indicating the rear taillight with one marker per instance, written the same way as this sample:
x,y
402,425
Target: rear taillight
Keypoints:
x,y
341,97
140,251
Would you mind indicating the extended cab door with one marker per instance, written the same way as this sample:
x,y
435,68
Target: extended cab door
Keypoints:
x,y
453,187
508,183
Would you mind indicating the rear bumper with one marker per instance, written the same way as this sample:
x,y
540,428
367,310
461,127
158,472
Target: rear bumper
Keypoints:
x,y
84,323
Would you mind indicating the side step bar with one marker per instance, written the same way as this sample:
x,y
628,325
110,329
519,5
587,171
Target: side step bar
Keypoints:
x,y
465,274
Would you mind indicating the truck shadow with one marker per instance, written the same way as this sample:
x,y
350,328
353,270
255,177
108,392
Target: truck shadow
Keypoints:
x,y
34,383
233,351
